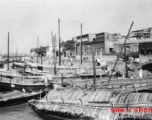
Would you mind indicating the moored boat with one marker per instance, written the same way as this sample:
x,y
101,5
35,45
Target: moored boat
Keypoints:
x,y
93,105
17,97
15,84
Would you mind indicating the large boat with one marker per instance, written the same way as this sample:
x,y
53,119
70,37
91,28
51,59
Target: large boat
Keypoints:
x,y
49,115
93,105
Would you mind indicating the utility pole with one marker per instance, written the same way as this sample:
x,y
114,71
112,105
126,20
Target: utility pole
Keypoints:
x,y
37,49
59,43
8,52
81,45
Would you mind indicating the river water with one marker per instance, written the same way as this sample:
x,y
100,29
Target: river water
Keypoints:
x,y
18,112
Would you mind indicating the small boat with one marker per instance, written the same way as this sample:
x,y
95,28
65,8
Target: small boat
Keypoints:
x,y
19,84
17,97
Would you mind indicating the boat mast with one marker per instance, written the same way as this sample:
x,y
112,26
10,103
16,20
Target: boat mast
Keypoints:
x,y
121,52
81,46
53,50
125,58
8,52
37,49
55,55
94,70
59,43
16,52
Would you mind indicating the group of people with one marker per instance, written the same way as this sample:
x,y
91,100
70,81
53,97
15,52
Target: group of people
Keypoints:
x,y
105,67
103,64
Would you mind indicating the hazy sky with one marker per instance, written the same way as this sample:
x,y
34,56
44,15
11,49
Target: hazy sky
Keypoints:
x,y
27,19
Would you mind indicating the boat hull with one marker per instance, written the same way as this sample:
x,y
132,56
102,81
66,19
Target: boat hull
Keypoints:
x,y
11,86
50,115
24,99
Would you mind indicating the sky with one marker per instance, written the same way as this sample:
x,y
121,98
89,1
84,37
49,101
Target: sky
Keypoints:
x,y
25,20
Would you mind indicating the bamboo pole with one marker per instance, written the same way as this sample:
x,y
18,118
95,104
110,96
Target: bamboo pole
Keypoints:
x,y
37,49
53,48
94,70
8,52
62,79
16,52
125,57
55,55
121,51
81,46
59,43
41,56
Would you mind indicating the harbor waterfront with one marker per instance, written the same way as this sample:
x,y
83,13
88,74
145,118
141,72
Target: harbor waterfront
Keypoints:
x,y
24,112
75,60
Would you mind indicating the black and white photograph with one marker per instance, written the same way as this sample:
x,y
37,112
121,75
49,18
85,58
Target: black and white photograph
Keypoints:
x,y
75,59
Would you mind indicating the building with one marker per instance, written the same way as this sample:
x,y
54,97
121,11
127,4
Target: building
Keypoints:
x,y
138,40
142,46
142,34
145,46
107,40
100,43
86,39
132,45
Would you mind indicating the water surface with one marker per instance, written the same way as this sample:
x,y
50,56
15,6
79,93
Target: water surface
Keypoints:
x,y
18,112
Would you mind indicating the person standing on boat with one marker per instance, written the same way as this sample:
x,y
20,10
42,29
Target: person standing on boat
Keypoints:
x,y
71,60
137,60
140,73
46,82
107,70
98,61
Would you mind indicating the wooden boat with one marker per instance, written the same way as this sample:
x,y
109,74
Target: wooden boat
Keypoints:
x,y
14,75
93,106
49,115
19,84
17,97
20,65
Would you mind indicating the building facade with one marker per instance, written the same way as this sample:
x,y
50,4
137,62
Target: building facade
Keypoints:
x,y
132,45
101,43
142,34
86,39
138,40
143,46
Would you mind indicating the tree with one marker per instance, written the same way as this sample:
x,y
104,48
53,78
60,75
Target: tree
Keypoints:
x,y
69,45
40,51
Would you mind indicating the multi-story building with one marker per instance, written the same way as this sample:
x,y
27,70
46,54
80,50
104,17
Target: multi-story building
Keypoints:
x,y
139,41
86,38
142,34
100,43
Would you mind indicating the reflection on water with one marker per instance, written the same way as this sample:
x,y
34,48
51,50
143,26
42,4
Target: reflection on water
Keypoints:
x,y
18,112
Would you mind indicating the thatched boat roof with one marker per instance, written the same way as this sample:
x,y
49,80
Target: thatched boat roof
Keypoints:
x,y
97,104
